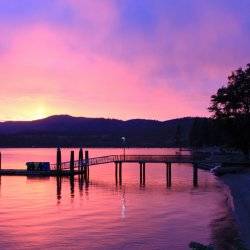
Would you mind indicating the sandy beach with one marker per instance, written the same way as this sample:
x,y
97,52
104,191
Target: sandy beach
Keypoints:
x,y
239,185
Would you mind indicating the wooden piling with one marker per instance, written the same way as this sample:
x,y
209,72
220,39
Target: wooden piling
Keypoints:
x,y
116,172
80,164
58,160
87,157
72,162
120,172
86,164
144,173
166,172
140,173
170,174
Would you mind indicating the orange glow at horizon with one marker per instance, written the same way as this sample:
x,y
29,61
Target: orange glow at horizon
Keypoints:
x,y
39,113
32,111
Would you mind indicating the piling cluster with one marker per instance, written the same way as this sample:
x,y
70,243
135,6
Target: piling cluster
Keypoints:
x,y
81,166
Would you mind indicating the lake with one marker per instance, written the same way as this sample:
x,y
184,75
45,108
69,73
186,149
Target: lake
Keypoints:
x,y
43,213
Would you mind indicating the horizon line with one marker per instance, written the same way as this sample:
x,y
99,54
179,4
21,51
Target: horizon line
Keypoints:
x,y
106,118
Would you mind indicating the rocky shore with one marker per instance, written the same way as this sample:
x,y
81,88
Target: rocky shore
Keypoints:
x,y
237,179
239,185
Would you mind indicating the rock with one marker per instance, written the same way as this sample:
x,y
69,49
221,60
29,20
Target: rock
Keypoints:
x,y
198,246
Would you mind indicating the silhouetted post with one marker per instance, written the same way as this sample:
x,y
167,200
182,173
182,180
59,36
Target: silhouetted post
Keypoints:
x,y
170,174
0,167
195,175
58,160
87,164
166,173
80,166
72,162
116,172
87,157
120,172
144,173
140,173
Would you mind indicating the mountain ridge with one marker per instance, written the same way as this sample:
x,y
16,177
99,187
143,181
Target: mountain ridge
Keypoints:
x,y
65,130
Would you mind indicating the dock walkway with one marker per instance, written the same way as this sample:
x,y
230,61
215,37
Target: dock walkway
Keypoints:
x,y
82,165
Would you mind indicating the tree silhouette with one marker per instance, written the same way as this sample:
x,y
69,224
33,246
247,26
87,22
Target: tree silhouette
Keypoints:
x,y
178,136
231,109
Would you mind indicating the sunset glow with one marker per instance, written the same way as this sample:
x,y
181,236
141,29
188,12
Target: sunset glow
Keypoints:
x,y
38,113
118,59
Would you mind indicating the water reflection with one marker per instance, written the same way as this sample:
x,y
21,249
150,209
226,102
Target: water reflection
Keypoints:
x,y
157,213
152,211
169,175
72,185
81,182
221,227
142,174
59,188
120,173
84,182
123,204
195,176
37,178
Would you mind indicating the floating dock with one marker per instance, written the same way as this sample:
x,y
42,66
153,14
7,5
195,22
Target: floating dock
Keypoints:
x,y
24,172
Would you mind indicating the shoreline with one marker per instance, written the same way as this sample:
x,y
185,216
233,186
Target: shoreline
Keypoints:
x,y
239,187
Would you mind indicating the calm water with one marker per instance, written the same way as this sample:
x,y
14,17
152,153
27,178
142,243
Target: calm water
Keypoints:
x,y
41,213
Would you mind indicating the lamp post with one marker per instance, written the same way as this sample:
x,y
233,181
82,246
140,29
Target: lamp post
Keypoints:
x,y
123,142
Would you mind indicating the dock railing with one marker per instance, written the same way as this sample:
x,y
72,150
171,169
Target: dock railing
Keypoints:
x,y
130,158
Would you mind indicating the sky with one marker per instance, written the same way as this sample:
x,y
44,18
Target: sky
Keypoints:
x,y
154,59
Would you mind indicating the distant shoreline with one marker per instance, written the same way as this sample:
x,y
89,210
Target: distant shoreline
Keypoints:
x,y
85,146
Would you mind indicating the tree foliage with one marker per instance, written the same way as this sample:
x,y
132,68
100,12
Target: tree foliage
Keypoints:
x,y
205,132
178,136
233,100
230,107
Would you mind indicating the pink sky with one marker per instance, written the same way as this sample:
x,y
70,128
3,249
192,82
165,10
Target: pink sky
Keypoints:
x,y
117,59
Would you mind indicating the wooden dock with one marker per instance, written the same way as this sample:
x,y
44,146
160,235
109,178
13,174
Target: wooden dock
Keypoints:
x,y
81,166
84,162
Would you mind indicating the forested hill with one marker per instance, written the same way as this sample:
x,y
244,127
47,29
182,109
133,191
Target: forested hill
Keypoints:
x,y
67,131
